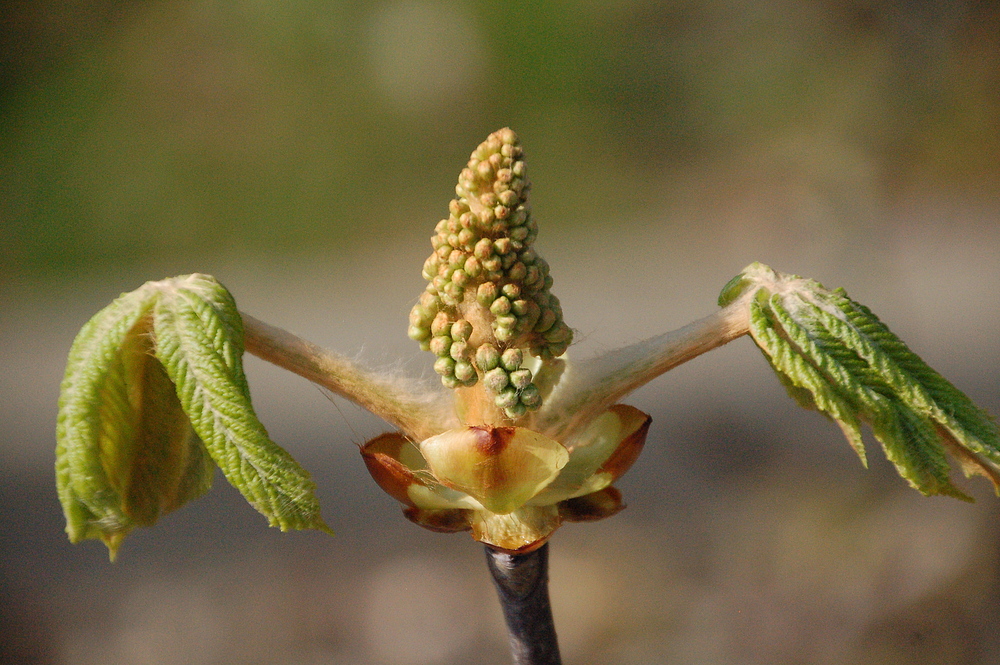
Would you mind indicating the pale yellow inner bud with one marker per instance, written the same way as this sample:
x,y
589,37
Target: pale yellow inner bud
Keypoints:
x,y
501,467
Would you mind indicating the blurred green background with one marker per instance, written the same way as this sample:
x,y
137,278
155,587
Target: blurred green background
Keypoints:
x,y
302,153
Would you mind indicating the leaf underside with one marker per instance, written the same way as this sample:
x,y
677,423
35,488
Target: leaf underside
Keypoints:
x,y
834,355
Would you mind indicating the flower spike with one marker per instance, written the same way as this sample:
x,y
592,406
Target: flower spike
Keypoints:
x,y
488,302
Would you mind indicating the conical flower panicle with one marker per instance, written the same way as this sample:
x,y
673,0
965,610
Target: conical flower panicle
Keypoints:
x,y
488,298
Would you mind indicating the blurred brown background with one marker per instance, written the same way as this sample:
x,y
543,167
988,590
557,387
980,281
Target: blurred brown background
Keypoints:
x,y
302,153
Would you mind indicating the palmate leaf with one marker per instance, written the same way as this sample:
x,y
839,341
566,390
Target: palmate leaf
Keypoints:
x,y
835,356
148,379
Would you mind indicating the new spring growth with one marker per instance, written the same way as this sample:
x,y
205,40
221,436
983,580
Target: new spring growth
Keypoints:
x,y
488,302
518,440
489,316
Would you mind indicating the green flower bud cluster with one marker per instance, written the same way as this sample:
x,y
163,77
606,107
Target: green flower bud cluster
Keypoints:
x,y
488,293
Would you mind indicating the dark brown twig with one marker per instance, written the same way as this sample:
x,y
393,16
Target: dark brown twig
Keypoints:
x,y
522,582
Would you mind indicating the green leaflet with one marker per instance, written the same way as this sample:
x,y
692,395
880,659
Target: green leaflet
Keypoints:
x,y
143,376
835,356
199,340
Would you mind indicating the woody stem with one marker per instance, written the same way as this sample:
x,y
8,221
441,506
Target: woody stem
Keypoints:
x,y
522,583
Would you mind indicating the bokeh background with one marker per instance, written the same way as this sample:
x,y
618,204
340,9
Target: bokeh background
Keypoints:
x,y
302,153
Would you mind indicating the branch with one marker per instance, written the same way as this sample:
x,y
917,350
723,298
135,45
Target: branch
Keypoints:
x,y
591,386
414,408
522,582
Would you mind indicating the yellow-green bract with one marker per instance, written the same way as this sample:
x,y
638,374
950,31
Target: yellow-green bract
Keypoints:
x,y
154,396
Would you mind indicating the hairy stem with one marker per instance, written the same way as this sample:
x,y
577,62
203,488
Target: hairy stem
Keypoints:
x,y
389,397
592,385
522,583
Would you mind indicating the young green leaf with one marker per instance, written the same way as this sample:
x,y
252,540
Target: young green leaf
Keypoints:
x,y
199,340
126,453
834,355
146,377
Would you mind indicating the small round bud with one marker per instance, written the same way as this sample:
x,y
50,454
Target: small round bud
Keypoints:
x,y
486,293
461,330
520,307
502,245
486,217
520,378
441,324
473,267
526,322
511,359
460,278
450,381
454,291
430,267
464,371
441,345
507,398
517,272
455,207
496,379
483,248
512,291
487,357
558,333
506,320
545,321
429,302
504,334
507,136
500,306
419,316
508,198
530,396
418,333
466,238
444,366
492,264
532,277
459,350
515,411
559,348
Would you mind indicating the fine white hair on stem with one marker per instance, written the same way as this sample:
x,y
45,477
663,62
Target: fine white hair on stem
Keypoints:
x,y
417,409
590,386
